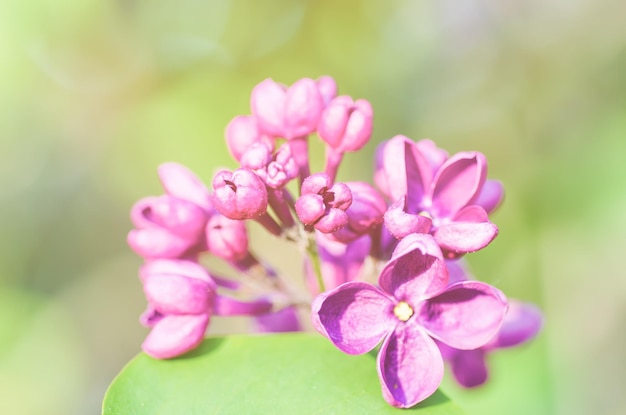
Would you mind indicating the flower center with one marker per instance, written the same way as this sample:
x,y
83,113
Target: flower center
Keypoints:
x,y
403,311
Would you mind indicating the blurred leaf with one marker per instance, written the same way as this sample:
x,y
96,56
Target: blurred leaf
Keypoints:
x,y
274,374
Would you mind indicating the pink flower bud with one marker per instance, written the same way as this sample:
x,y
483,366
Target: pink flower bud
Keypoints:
x,y
346,125
328,88
282,169
180,182
364,214
323,206
256,158
240,194
287,112
226,238
243,132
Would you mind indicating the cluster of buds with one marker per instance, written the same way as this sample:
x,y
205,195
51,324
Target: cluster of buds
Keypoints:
x,y
382,264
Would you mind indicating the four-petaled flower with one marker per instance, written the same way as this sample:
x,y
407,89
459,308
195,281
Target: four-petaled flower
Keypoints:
x,y
413,306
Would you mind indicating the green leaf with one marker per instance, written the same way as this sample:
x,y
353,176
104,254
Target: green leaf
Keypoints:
x,y
264,374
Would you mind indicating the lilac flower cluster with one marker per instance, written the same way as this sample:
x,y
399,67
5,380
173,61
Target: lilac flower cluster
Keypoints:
x,y
382,264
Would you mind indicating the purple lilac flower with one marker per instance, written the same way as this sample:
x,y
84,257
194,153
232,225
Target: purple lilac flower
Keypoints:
x,y
413,306
522,322
422,182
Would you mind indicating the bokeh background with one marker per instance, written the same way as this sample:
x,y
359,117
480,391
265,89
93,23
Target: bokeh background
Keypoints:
x,y
94,95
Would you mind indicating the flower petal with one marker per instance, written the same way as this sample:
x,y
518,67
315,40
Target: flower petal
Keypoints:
x,y
177,294
458,182
180,182
465,316
410,366
491,195
405,170
179,267
174,335
355,316
464,237
281,321
521,323
226,306
469,367
157,243
416,269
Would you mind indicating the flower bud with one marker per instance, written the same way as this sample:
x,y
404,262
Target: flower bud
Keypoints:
x,y
287,112
346,125
243,132
240,194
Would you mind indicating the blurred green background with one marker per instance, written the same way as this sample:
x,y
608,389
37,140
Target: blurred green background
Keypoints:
x,y
94,95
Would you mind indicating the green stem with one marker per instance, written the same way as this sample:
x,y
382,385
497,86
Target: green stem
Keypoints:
x,y
317,268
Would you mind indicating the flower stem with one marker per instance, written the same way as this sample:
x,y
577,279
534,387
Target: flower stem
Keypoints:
x,y
315,261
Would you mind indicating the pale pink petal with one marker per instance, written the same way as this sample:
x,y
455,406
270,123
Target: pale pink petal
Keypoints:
x,y
355,316
180,182
174,335
226,238
189,269
416,270
464,237
177,294
400,223
458,182
465,316
157,243
303,107
268,105
410,366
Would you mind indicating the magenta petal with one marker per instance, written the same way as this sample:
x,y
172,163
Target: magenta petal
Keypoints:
x,y
521,323
303,107
226,306
179,181
416,269
174,335
176,294
490,196
226,238
157,243
465,316
405,168
178,267
463,237
355,316
400,223
268,105
458,182
410,366
334,220
469,367
281,321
